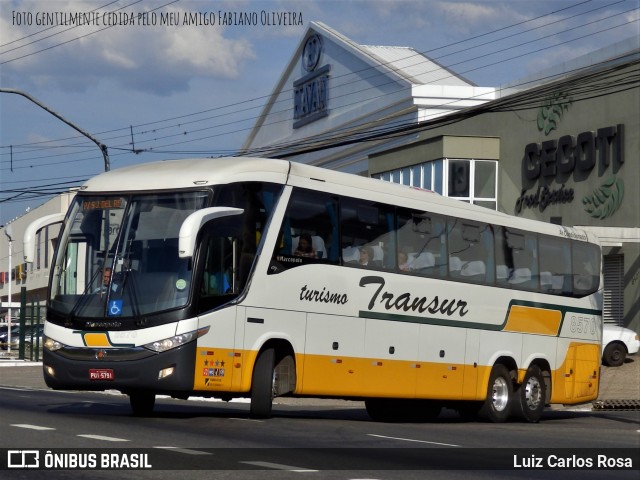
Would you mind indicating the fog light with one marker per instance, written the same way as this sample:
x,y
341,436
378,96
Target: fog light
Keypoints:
x,y
50,371
165,372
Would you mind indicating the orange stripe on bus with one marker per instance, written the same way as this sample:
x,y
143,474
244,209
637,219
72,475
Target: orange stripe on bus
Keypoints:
x,y
96,340
533,320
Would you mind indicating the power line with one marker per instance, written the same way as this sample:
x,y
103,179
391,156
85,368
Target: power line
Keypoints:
x,y
158,149
235,105
51,28
161,147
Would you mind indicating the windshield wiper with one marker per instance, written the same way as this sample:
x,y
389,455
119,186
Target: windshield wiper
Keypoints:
x,y
84,297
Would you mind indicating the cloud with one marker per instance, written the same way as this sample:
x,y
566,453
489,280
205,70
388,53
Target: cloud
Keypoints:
x,y
158,59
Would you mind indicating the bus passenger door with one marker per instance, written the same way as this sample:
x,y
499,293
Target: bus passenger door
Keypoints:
x,y
215,286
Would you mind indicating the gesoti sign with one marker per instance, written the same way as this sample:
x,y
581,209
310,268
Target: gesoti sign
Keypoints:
x,y
558,159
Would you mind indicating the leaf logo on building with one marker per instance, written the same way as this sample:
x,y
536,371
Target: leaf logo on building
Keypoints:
x,y
605,199
550,114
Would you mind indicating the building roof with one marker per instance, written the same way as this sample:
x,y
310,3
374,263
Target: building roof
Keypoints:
x,y
414,66
391,73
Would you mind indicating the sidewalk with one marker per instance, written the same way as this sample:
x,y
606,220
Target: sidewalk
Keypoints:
x,y
619,386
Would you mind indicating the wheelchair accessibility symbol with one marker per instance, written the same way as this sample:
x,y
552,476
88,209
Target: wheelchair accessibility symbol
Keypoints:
x,y
115,308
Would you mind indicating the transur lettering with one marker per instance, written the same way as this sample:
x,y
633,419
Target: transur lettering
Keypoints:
x,y
406,303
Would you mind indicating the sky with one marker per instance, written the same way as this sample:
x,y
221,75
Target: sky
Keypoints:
x,y
161,79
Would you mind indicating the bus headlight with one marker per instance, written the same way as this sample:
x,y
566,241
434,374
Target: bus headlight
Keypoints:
x,y
51,344
173,342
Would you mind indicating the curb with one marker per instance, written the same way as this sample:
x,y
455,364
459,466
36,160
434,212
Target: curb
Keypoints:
x,y
617,405
19,363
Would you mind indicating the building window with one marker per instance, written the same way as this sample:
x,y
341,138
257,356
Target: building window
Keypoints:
x,y
472,181
458,181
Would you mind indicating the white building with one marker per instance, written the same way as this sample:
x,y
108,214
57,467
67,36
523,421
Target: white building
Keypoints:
x,y
334,90
34,276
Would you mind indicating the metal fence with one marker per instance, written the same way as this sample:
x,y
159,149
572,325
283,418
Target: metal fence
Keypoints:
x,y
25,341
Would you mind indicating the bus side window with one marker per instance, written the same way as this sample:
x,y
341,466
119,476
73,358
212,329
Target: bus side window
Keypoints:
x,y
422,243
309,231
471,251
555,265
367,233
586,259
516,257
217,277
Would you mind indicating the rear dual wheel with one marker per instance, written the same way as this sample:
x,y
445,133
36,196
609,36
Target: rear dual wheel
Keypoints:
x,y
499,401
531,396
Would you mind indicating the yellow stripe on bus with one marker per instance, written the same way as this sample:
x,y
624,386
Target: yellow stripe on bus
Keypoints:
x,y
230,370
533,320
96,340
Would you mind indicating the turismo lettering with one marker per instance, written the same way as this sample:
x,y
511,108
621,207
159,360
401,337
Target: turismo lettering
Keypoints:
x,y
323,296
406,303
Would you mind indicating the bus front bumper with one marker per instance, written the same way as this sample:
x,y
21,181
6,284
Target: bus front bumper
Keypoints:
x,y
126,370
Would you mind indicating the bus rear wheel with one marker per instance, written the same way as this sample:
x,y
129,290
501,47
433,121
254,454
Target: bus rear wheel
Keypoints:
x,y
497,406
142,403
530,397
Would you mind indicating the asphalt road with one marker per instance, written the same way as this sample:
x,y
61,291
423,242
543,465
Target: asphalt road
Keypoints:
x,y
330,440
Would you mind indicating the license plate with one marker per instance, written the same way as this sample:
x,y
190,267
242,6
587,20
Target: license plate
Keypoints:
x,y
101,374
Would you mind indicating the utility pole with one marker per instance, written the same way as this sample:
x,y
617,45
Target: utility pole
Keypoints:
x,y
102,146
8,231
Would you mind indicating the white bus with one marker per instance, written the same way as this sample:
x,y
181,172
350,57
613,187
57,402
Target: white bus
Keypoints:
x,y
259,278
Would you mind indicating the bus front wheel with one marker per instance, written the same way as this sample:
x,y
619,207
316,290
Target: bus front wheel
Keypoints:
x,y
263,385
497,406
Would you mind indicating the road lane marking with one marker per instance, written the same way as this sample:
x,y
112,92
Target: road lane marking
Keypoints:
x,y
412,440
278,466
102,437
32,427
188,451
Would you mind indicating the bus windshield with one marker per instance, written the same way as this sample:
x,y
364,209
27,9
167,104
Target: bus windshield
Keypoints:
x,y
119,255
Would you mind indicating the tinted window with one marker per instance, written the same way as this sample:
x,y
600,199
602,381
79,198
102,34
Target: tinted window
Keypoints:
x,y
586,268
309,231
471,255
422,245
367,233
555,265
516,259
